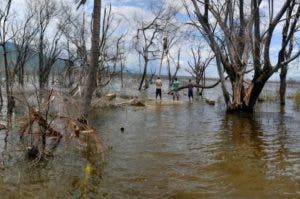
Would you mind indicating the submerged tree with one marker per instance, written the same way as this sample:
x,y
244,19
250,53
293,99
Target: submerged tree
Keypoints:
x,y
234,34
47,47
149,32
95,53
290,22
76,36
4,16
24,35
171,35
198,66
145,43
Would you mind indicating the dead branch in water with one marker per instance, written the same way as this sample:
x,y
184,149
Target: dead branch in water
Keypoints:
x,y
84,129
38,123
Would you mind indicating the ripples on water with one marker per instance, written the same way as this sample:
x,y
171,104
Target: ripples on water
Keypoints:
x,y
196,151
187,151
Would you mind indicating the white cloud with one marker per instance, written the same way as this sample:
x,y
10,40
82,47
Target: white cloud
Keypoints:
x,y
127,12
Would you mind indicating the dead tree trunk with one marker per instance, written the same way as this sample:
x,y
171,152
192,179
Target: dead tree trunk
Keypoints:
x,y
282,89
198,66
171,80
95,53
10,104
122,73
1,98
234,51
144,72
285,53
3,42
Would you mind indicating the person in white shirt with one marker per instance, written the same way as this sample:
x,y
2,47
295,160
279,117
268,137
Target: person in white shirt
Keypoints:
x,y
158,84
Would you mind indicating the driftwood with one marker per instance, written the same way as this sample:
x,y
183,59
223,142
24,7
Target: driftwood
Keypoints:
x,y
81,128
78,127
196,86
40,123
202,86
35,116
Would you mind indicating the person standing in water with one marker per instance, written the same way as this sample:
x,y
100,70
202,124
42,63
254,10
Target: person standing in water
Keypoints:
x,y
190,90
158,84
175,88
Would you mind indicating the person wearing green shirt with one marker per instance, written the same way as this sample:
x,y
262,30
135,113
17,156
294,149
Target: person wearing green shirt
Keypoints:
x,y
175,88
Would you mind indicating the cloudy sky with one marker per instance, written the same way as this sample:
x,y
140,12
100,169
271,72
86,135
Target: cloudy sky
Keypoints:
x,y
130,10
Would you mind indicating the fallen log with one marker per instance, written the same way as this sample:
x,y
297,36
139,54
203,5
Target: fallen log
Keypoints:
x,y
198,86
195,86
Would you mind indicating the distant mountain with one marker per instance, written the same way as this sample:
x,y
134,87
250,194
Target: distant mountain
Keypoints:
x,y
33,59
295,78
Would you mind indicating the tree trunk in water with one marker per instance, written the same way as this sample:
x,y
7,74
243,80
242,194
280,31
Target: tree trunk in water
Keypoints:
x,y
144,74
282,88
122,69
169,70
53,78
95,53
198,82
244,99
20,73
7,82
41,61
237,92
70,74
34,73
1,98
42,81
203,82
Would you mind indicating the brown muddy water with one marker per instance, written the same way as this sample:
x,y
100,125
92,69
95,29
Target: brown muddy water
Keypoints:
x,y
186,151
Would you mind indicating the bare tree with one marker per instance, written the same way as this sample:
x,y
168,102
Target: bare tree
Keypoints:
x,y
176,69
198,66
4,16
95,53
145,41
99,67
242,40
76,36
1,98
109,58
47,46
286,51
118,57
171,35
24,34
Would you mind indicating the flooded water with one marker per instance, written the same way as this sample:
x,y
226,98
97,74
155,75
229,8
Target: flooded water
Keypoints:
x,y
186,151
195,151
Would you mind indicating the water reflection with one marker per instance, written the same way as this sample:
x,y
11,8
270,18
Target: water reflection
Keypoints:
x,y
195,151
178,151
243,131
241,159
